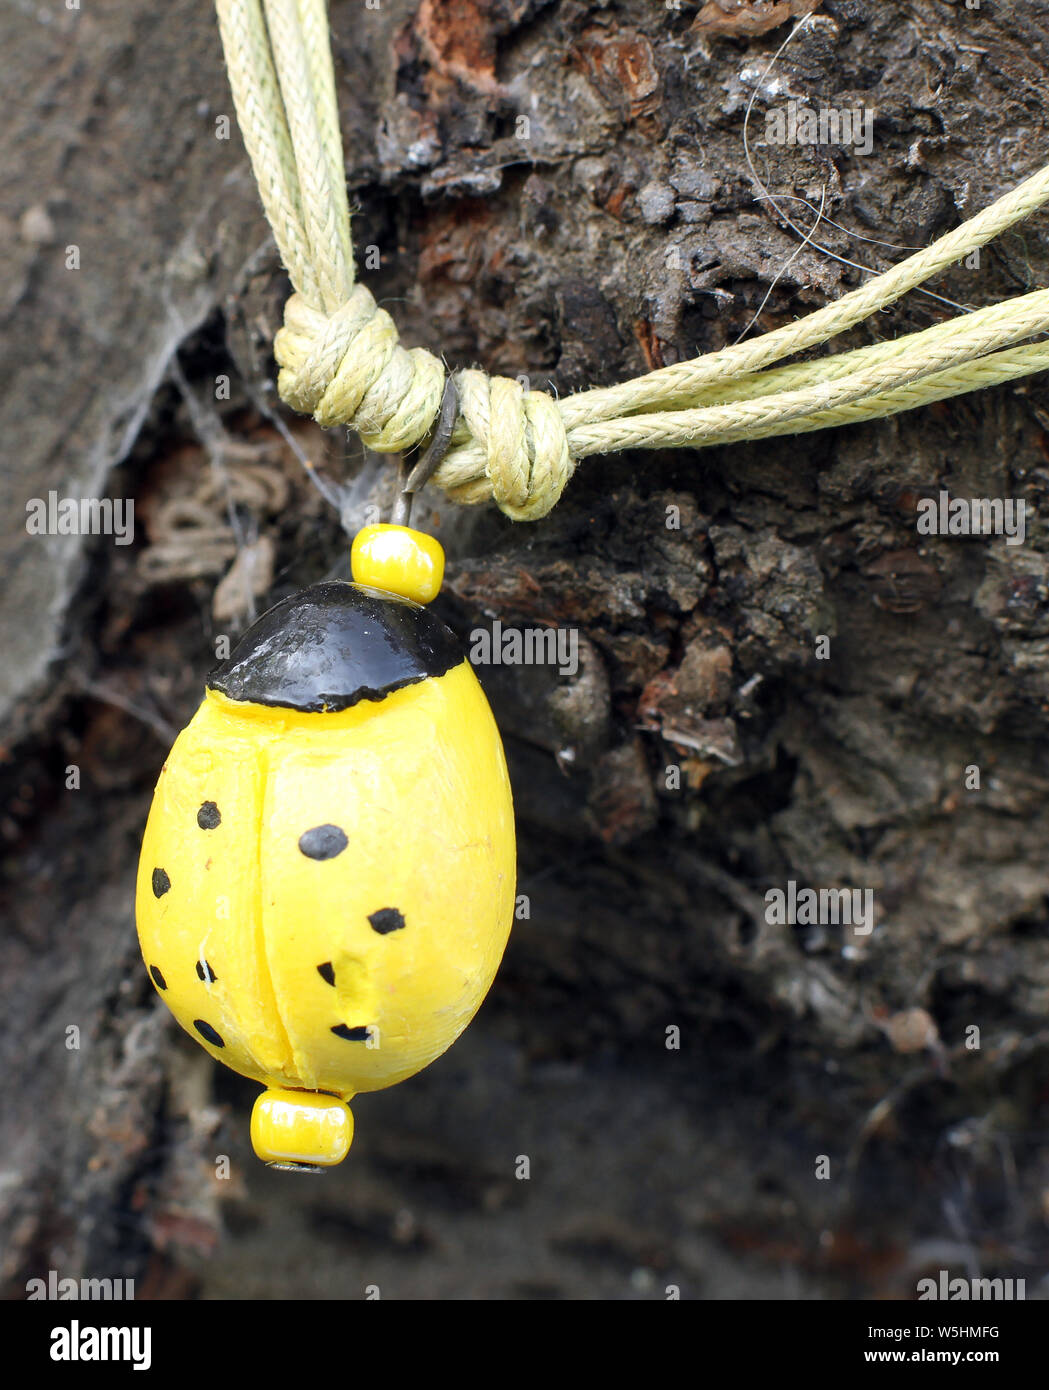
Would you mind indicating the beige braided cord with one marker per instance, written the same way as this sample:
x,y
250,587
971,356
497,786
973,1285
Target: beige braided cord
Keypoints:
x,y
322,82
992,370
813,388
320,208
390,396
341,360
260,111
916,356
683,378
799,375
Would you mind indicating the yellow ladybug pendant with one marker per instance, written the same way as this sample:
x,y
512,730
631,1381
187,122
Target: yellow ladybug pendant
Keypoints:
x,y
327,876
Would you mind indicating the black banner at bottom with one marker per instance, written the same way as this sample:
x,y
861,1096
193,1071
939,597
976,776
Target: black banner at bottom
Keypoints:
x,y
78,1338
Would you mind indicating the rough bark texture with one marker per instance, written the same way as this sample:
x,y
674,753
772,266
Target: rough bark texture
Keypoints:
x,y
615,230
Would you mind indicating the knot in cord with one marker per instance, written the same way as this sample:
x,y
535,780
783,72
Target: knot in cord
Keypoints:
x,y
520,442
348,368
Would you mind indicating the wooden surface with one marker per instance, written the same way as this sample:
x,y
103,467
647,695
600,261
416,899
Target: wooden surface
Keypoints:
x,y
621,234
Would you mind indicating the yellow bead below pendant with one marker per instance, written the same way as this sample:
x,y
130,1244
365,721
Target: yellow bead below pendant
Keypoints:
x,y
398,560
301,1129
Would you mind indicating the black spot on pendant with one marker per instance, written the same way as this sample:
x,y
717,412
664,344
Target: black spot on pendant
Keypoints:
x,y
209,816
387,919
208,1033
323,842
161,883
342,1030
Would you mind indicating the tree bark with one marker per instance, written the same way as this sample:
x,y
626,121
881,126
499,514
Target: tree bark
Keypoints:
x,y
558,191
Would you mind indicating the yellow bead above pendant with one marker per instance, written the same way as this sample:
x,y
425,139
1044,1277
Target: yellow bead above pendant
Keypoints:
x,y
398,560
